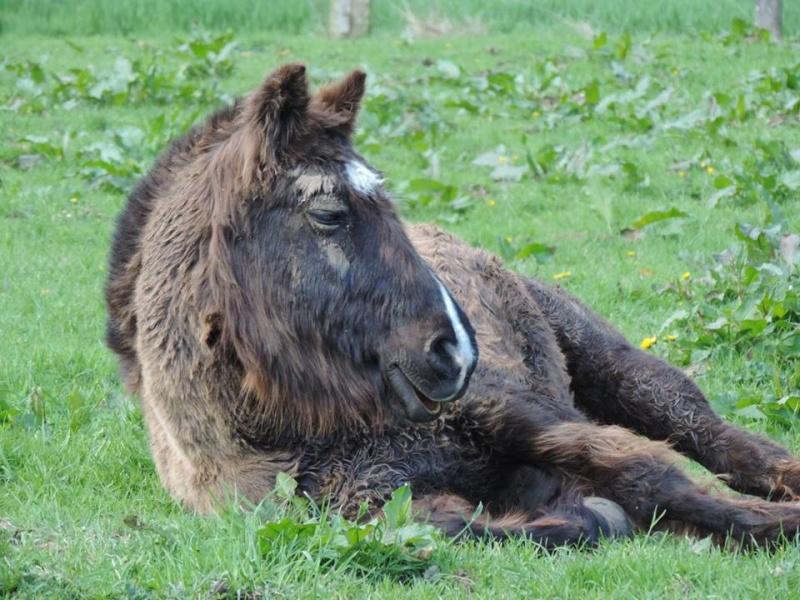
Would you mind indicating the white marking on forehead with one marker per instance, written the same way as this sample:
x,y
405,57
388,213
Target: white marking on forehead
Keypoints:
x,y
463,353
362,178
310,184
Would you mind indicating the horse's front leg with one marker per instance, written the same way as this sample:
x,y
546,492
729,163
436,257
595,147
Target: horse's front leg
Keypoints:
x,y
570,520
640,475
615,383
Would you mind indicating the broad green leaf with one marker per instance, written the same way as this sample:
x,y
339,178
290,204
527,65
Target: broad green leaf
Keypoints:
x,y
449,69
751,412
600,40
791,180
721,182
720,323
592,92
397,509
503,81
286,530
542,252
285,487
492,158
509,172
727,192
659,215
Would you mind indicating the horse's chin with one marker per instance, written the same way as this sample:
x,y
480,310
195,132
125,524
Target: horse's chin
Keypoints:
x,y
418,406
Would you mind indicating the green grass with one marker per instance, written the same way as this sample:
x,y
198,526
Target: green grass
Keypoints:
x,y
96,17
82,513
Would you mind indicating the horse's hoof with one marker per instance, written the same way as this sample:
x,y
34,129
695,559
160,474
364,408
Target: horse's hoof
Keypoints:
x,y
613,521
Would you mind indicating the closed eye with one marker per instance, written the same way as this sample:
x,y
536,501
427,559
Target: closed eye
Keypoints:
x,y
326,221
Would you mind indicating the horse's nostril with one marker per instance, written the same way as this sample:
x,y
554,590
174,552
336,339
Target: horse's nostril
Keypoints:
x,y
442,356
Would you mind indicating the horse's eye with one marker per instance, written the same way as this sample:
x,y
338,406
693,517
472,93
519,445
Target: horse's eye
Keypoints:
x,y
326,221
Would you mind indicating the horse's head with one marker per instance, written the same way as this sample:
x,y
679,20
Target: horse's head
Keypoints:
x,y
317,289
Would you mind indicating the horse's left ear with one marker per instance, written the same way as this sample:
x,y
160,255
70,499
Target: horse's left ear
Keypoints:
x,y
343,98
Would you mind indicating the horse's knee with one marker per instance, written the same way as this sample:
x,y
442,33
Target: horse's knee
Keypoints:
x,y
612,520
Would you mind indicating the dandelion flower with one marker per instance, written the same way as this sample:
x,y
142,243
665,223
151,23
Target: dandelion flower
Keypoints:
x,y
536,114
648,342
491,202
686,276
631,253
710,169
670,338
681,174
562,275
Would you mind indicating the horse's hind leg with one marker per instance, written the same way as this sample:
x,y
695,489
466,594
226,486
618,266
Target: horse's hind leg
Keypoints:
x,y
615,383
571,521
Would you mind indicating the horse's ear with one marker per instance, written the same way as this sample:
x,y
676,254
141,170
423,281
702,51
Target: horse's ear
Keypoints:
x,y
279,107
343,98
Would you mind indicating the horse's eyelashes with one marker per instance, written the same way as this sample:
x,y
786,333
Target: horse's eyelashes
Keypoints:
x,y
327,221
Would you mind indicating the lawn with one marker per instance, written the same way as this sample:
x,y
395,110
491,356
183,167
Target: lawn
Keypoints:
x,y
649,164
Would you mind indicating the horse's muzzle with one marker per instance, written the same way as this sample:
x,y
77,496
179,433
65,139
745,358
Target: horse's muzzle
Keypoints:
x,y
425,386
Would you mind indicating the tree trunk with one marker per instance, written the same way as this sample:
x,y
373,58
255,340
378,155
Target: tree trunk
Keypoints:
x,y
349,18
768,16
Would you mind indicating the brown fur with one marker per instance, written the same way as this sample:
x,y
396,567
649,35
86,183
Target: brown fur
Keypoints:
x,y
259,299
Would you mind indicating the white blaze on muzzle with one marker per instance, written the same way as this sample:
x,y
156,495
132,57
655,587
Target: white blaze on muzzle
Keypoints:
x,y
463,353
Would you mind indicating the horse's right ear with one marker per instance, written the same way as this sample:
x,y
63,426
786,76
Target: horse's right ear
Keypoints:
x,y
343,99
279,107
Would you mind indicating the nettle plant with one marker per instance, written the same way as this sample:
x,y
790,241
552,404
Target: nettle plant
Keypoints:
x,y
189,73
393,544
748,303
770,173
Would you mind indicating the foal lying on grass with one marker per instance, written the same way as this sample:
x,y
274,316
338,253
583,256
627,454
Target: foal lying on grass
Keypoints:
x,y
275,314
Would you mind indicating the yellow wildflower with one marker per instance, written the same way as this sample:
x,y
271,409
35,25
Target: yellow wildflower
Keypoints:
x,y
681,174
536,114
686,276
648,342
491,202
502,160
563,275
631,253
73,200
670,338
710,169
675,72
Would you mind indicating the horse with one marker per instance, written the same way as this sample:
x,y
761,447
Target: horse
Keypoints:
x,y
276,315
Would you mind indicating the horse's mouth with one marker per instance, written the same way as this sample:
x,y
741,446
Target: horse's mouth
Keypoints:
x,y
418,406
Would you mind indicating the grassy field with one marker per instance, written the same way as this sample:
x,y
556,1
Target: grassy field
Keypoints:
x,y
389,17
655,175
